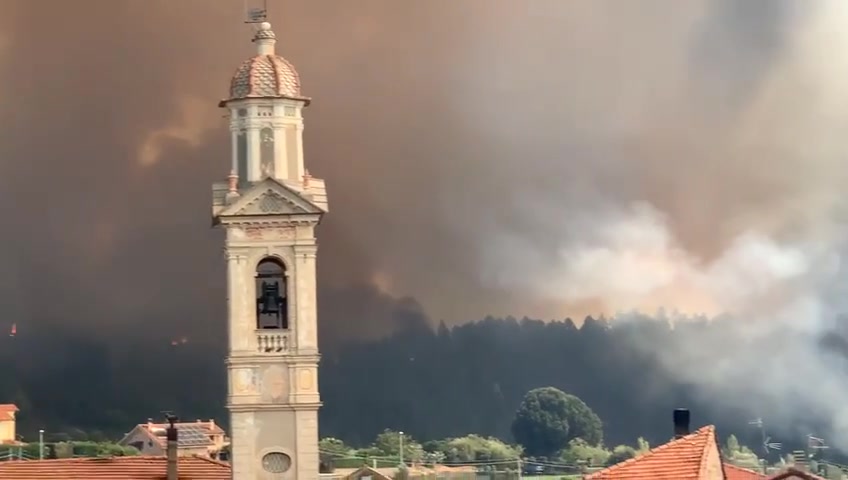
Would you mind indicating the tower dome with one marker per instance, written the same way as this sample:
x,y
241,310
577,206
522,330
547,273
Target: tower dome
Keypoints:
x,y
265,75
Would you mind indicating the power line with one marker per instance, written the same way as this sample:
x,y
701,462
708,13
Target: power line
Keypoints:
x,y
506,461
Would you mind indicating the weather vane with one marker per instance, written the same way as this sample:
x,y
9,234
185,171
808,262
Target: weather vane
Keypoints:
x,y
256,14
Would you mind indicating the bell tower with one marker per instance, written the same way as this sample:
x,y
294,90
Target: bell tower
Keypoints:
x,y
269,208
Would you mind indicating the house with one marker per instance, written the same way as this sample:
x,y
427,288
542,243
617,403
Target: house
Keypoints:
x,y
171,466
693,456
7,423
203,438
415,472
136,468
368,473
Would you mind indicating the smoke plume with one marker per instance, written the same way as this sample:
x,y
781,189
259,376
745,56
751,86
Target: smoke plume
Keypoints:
x,y
540,158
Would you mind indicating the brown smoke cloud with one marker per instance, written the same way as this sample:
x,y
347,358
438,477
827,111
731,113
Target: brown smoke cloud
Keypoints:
x,y
468,146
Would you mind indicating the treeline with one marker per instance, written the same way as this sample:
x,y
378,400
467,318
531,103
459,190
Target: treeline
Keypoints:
x,y
66,449
433,383
557,434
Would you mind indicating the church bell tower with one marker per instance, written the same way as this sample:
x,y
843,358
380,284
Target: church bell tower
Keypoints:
x,y
269,208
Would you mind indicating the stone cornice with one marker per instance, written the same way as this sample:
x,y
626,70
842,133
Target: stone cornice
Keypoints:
x,y
306,249
249,359
272,221
260,407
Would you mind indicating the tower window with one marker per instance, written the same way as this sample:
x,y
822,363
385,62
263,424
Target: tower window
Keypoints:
x,y
267,152
276,462
272,310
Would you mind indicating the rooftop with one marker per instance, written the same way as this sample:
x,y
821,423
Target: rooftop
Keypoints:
x,y
732,472
682,458
266,74
7,411
114,468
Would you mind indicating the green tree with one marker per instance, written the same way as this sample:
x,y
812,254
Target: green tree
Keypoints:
x,y
389,444
584,422
580,451
642,446
472,448
548,418
330,451
739,455
621,453
731,445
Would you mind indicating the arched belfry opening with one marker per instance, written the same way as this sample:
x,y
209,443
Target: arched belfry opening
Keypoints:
x,y
272,306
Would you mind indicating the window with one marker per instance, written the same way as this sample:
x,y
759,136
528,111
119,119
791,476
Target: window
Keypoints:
x,y
271,302
276,462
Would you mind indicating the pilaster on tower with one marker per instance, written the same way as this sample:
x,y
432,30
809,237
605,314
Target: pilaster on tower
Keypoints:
x,y
270,207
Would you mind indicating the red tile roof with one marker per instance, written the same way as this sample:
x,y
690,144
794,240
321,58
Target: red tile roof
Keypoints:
x,y
7,411
680,459
190,434
732,472
114,468
793,474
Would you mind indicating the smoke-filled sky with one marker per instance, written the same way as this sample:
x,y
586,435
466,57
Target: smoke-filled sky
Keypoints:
x,y
543,158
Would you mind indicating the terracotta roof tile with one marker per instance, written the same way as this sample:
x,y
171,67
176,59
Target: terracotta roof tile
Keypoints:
x,y
114,468
680,459
189,434
265,76
8,411
732,472
794,474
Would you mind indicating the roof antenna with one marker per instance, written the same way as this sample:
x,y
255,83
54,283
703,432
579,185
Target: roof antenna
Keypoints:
x,y
170,417
256,14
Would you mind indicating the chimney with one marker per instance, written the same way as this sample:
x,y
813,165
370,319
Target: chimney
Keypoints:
x,y
800,460
172,448
681,422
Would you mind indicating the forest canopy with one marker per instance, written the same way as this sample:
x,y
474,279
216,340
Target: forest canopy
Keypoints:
x,y
433,383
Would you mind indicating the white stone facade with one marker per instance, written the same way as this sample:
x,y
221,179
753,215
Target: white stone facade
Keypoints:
x,y
269,210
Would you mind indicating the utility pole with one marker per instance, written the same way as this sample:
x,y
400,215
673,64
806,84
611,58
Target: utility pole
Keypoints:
x,y
41,444
400,436
519,469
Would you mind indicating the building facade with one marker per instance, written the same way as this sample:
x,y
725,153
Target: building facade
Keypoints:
x,y
8,433
269,209
201,438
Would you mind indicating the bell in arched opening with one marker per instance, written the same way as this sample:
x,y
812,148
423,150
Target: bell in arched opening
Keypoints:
x,y
272,302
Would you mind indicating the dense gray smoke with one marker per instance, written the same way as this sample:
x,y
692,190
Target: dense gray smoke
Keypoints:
x,y
543,158
707,174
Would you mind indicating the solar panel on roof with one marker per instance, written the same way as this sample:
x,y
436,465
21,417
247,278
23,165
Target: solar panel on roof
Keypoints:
x,y
192,435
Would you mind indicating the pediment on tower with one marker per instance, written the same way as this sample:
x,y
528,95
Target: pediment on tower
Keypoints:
x,y
270,197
